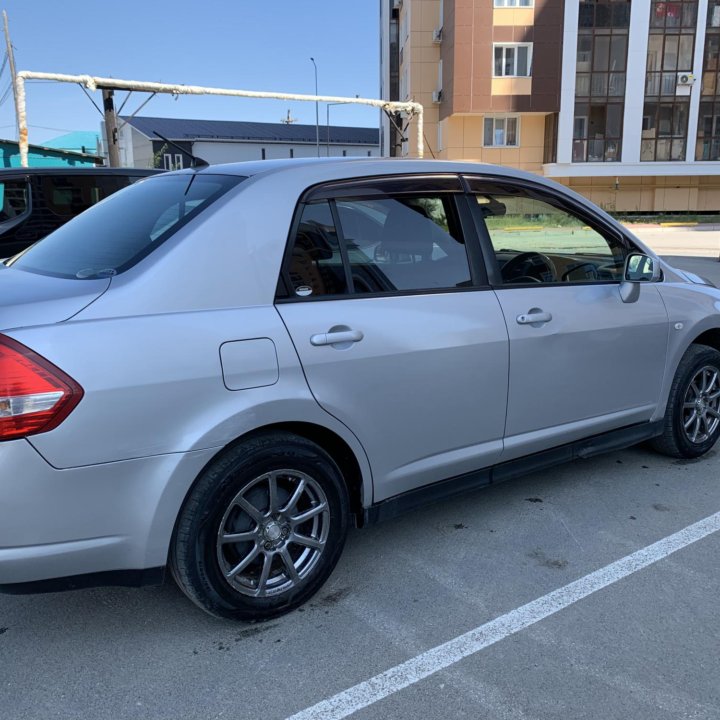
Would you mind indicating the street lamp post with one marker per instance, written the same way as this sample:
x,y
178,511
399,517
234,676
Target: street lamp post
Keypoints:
x,y
317,111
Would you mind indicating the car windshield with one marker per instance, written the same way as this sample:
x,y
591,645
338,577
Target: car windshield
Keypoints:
x,y
115,234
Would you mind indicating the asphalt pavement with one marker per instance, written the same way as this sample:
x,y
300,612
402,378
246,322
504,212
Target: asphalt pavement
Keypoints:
x,y
462,576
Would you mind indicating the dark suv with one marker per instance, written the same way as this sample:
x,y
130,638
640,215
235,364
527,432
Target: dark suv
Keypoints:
x,y
36,201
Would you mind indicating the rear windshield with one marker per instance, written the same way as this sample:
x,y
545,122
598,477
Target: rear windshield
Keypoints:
x,y
115,234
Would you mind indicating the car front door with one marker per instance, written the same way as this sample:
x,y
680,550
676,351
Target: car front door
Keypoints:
x,y
398,338
582,361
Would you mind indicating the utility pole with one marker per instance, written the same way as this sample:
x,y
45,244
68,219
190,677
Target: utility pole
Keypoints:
x,y
111,129
317,111
11,63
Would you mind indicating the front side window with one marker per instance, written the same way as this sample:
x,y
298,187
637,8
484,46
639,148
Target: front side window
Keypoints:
x,y
385,245
112,236
500,132
535,241
512,60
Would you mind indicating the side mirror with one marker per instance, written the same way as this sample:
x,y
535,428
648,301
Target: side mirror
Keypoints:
x,y
639,268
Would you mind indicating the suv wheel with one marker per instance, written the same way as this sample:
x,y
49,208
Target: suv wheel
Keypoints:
x,y
262,529
692,418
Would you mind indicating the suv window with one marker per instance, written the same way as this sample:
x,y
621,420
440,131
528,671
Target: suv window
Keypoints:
x,y
536,241
69,195
114,235
14,202
386,244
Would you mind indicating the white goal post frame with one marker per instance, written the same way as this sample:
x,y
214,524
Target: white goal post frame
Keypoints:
x,y
411,109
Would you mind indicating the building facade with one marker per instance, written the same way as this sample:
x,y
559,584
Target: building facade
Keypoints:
x,y
618,99
222,141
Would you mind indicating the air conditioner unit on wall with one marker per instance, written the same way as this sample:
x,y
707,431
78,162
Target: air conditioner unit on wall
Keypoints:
x,y
437,96
437,35
685,78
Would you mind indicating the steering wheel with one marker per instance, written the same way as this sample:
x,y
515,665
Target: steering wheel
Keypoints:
x,y
590,270
525,265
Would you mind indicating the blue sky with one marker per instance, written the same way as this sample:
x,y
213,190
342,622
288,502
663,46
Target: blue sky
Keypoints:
x,y
236,43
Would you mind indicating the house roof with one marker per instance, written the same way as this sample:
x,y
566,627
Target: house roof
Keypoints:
x,y
47,149
178,129
78,141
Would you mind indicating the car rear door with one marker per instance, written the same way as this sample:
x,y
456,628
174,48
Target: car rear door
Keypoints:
x,y
582,361
398,333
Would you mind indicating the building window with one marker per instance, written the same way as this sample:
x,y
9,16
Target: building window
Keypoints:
x,y
708,131
671,47
172,163
601,65
369,153
262,153
513,3
344,153
664,133
292,153
500,131
512,60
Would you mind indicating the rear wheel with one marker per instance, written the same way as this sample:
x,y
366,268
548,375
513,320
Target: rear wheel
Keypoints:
x,y
262,529
692,417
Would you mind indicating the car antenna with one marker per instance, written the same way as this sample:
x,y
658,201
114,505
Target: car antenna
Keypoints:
x,y
195,161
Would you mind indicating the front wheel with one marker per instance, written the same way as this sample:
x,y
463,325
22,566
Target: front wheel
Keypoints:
x,y
692,417
262,529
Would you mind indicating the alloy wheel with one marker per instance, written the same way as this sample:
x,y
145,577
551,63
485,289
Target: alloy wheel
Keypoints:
x,y
701,405
273,533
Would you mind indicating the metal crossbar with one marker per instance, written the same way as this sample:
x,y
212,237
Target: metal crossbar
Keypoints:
x,y
411,109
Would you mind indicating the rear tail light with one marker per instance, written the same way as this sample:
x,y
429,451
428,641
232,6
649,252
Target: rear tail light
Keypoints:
x,y
35,396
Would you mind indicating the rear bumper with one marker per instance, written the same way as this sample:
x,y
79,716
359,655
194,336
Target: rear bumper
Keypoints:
x,y
96,519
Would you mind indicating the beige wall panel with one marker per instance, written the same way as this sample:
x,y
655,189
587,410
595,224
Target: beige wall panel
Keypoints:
x,y
532,130
492,155
522,86
676,199
513,16
455,154
628,200
532,155
430,13
453,133
502,86
509,156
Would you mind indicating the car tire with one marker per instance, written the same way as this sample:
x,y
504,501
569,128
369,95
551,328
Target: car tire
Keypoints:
x,y
692,418
262,529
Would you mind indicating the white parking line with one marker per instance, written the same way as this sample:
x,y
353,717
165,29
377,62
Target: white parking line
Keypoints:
x,y
401,676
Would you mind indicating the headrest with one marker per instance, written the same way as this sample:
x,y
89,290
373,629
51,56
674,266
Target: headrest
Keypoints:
x,y
407,231
310,240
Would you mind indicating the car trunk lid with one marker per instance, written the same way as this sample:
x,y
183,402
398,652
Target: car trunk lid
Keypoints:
x,y
28,298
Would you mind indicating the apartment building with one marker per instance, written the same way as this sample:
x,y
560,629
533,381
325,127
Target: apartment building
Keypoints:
x,y
618,99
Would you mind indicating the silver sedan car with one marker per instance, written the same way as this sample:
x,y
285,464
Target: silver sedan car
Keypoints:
x,y
216,372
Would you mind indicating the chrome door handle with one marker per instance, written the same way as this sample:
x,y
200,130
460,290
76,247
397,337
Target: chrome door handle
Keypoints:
x,y
335,338
530,318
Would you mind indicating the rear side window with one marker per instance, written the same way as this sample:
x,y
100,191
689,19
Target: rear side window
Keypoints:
x,y
115,234
316,265
405,243
384,245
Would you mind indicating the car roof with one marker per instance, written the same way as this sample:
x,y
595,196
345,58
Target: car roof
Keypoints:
x,y
101,170
364,166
